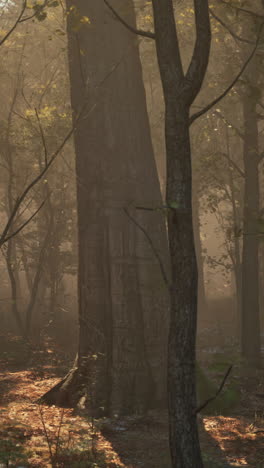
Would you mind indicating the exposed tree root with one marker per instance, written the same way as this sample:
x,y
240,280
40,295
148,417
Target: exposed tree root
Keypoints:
x,y
67,393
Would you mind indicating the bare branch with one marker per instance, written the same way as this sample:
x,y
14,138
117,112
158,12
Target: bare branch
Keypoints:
x,y
139,32
209,400
230,124
150,241
199,62
32,184
24,6
231,32
21,198
13,234
243,10
215,101
232,163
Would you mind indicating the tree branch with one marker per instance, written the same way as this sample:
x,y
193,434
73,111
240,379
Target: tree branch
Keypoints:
x,y
21,198
215,101
232,163
13,234
209,400
230,124
139,32
231,32
199,62
243,10
79,115
22,20
24,6
150,241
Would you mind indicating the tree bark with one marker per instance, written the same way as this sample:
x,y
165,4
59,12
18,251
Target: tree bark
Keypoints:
x,y
123,304
179,92
250,333
181,365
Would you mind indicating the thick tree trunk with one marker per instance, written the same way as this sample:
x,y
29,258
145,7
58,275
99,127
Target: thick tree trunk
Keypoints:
x,y
123,303
250,337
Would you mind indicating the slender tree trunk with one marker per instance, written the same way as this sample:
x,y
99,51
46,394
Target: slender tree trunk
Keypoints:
x,y
181,368
179,92
36,283
202,302
236,257
13,284
250,263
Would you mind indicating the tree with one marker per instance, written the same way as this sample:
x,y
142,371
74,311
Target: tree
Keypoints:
x,y
30,130
249,92
250,320
180,89
123,309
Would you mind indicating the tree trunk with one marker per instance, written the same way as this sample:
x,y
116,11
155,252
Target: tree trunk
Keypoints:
x,y
202,302
120,284
236,257
13,284
181,367
179,92
250,263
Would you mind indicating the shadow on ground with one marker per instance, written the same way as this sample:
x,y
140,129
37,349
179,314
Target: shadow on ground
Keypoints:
x,y
143,443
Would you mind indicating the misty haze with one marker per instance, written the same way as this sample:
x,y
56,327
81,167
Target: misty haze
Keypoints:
x,y
132,233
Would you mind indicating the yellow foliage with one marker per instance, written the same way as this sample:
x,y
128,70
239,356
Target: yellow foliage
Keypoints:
x,y
85,20
148,19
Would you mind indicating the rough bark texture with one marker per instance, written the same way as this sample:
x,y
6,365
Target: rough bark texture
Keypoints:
x,y
179,92
122,299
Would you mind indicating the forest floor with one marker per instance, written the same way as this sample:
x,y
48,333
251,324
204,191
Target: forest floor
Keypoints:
x,y
39,436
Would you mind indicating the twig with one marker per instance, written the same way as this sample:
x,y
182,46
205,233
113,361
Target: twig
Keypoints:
x,y
230,124
209,400
18,20
58,434
21,198
46,433
162,269
232,163
13,234
139,32
243,10
215,101
231,32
